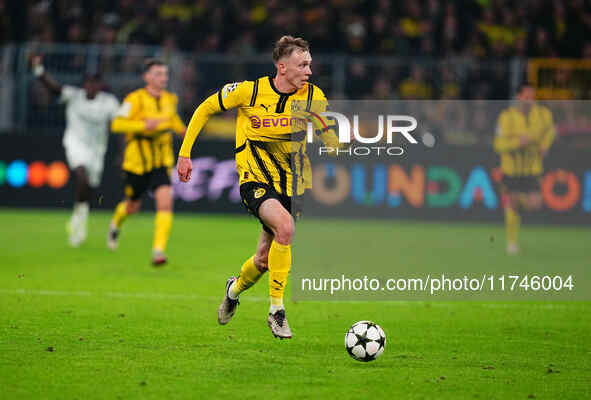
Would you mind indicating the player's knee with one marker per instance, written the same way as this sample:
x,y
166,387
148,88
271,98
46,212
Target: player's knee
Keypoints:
x,y
508,204
285,231
509,200
164,205
164,198
534,202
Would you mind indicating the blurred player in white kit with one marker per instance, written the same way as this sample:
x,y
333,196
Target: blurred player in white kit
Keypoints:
x,y
88,114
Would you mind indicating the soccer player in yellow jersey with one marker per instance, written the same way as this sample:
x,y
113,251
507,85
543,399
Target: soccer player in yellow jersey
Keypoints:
x,y
272,164
146,118
525,132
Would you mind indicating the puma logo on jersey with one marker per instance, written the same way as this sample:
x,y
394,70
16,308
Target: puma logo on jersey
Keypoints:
x,y
277,282
260,192
265,107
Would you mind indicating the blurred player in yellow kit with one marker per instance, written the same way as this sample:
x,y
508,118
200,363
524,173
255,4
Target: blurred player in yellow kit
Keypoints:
x,y
272,164
147,117
525,132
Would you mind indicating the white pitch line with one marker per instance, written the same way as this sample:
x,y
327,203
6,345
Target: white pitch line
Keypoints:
x,y
176,296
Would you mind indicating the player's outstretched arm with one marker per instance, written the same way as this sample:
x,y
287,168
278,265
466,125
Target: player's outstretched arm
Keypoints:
x,y
44,77
198,120
230,96
126,120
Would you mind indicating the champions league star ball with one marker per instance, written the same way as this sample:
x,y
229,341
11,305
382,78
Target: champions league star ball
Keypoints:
x,y
365,341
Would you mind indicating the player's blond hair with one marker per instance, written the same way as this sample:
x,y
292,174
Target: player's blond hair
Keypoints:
x,y
286,45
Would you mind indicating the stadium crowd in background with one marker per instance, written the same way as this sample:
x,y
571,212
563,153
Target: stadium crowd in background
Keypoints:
x,y
439,50
480,31
475,28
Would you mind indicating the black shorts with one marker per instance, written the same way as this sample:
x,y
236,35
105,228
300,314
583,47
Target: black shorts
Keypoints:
x,y
253,194
521,184
137,185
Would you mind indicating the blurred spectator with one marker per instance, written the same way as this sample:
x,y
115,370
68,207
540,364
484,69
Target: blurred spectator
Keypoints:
x,y
356,33
488,26
382,89
170,54
450,88
358,82
488,31
413,27
450,35
541,45
245,44
422,49
317,23
416,86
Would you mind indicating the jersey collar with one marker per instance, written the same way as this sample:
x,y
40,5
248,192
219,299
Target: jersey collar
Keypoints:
x,y
277,91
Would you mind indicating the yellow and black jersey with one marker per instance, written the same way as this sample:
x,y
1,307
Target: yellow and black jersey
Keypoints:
x,y
147,149
512,126
270,131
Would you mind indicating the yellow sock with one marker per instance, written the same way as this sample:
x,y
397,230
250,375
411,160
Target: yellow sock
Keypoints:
x,y
162,222
512,223
120,214
279,266
249,275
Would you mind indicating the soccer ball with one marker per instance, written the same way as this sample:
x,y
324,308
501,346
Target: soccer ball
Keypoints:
x,y
365,341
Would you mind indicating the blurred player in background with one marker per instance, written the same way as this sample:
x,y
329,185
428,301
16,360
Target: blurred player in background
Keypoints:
x,y
88,112
525,132
147,117
273,167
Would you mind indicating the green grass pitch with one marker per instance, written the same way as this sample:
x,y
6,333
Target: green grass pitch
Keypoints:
x,y
89,324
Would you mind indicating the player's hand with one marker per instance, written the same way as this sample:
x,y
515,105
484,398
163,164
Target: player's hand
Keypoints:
x,y
152,123
184,168
36,63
